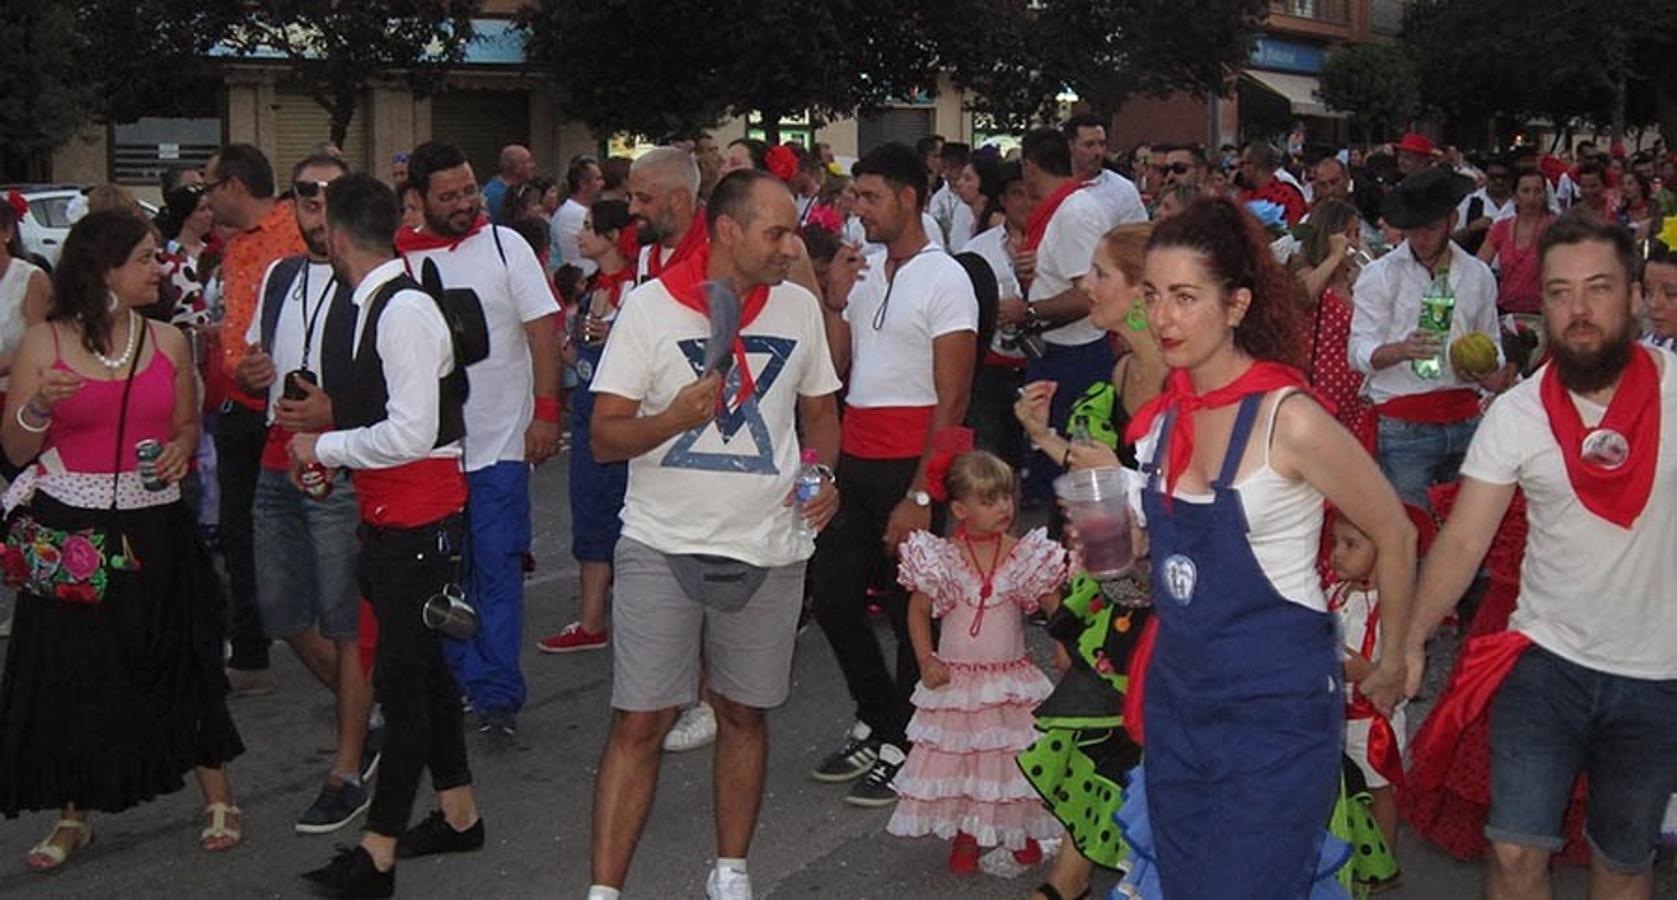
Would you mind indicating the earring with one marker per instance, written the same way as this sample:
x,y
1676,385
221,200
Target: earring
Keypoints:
x,y
1136,319
111,301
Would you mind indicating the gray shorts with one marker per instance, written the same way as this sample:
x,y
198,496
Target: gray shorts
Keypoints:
x,y
305,558
656,633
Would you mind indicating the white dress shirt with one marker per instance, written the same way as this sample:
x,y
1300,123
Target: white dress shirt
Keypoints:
x,y
1388,310
1119,197
417,350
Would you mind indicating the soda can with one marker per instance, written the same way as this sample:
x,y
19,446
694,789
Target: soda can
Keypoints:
x,y
316,483
146,453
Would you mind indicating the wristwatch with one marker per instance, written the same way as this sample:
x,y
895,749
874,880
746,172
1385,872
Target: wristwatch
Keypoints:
x,y
920,498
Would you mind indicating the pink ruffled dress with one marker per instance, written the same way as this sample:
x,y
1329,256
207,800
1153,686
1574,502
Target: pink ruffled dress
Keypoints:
x,y
960,774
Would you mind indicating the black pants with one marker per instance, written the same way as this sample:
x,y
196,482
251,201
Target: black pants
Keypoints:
x,y
990,414
239,438
423,724
849,550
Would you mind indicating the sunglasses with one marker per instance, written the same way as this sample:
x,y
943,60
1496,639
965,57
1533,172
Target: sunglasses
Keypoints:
x,y
308,190
1177,168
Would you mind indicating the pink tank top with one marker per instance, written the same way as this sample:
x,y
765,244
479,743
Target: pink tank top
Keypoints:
x,y
84,425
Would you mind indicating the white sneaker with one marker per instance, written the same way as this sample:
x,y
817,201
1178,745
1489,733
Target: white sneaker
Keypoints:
x,y
728,884
696,728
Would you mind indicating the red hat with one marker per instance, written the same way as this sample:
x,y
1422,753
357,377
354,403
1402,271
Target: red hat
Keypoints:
x,y
1416,143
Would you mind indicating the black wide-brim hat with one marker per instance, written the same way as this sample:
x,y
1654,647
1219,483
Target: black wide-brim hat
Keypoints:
x,y
1425,197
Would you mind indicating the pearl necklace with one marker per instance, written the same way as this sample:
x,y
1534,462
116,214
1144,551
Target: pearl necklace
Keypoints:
x,y
128,352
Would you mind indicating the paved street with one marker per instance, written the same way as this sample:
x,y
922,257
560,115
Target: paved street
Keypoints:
x,y
536,795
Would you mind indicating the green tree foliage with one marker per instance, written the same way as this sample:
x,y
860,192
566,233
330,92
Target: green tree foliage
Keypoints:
x,y
44,96
151,57
1017,56
336,48
1376,84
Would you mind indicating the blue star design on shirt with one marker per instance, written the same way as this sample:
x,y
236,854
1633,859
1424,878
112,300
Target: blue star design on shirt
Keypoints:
x,y
760,459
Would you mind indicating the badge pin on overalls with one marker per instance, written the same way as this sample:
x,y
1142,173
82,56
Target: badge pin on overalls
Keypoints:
x,y
1179,576
1606,448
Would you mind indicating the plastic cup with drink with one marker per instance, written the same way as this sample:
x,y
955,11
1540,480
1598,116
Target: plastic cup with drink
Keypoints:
x,y
1096,502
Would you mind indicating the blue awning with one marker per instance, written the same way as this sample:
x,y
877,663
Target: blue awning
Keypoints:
x,y
495,42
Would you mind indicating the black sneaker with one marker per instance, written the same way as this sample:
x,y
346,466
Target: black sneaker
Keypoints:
x,y
498,724
372,750
351,873
435,835
332,810
850,761
876,789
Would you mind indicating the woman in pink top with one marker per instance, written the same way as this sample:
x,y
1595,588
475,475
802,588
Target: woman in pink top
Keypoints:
x,y
108,697
1511,246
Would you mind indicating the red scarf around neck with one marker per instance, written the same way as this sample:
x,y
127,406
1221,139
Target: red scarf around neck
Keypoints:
x,y
409,240
1617,495
697,238
686,281
1179,396
1036,227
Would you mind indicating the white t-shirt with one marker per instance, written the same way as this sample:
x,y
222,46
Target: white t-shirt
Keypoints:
x,y
567,224
929,297
942,209
1119,197
718,489
962,224
1388,309
1590,592
1063,257
513,293
992,247
300,305
1488,207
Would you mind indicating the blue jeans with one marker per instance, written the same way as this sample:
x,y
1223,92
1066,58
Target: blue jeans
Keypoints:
x,y
1551,719
306,558
498,521
1416,455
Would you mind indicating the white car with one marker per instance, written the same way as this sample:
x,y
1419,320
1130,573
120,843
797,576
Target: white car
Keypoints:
x,y
48,221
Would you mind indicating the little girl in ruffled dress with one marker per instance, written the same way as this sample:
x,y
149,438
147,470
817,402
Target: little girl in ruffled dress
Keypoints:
x,y
977,690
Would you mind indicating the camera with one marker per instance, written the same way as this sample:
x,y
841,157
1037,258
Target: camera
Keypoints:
x,y
1026,338
293,389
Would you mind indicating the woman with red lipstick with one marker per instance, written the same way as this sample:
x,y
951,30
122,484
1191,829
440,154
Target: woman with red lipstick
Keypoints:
x,y
1243,710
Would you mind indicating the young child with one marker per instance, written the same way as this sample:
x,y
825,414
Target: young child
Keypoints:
x,y
1355,598
977,690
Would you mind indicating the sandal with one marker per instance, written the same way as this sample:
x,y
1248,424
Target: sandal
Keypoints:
x,y
218,829
54,855
1050,892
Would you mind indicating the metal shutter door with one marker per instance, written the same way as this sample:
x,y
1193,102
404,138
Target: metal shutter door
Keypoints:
x,y
300,124
480,123
904,125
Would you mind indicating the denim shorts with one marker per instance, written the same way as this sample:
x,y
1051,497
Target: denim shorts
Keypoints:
x,y
1414,455
1552,719
305,558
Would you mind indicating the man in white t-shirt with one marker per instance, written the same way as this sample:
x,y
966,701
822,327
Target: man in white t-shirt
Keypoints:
x,y
903,326
1001,369
712,461
945,205
584,181
1591,681
512,412
1117,195
1059,242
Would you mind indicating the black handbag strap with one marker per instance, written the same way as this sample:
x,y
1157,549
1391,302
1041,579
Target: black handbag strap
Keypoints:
x,y
122,411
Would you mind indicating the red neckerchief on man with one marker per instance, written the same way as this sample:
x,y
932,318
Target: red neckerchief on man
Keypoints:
x,y
685,282
1036,226
409,240
1178,395
1617,493
697,238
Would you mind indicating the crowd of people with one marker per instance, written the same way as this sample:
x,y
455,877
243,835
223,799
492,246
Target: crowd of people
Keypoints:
x,y
795,388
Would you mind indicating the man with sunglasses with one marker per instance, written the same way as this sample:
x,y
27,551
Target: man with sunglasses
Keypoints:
x,y
239,186
1184,164
902,325
301,346
1486,206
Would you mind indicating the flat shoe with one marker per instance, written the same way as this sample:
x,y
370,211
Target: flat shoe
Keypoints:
x,y
218,829
55,855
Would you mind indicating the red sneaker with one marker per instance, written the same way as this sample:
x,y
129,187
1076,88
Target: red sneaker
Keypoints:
x,y
963,855
573,638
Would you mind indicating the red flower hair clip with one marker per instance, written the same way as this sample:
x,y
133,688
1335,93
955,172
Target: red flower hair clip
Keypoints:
x,y
946,446
19,205
782,162
825,218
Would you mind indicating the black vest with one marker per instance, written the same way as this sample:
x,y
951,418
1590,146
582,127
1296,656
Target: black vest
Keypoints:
x,y
337,334
366,400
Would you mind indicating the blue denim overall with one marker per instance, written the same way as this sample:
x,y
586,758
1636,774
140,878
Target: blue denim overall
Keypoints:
x,y
1244,705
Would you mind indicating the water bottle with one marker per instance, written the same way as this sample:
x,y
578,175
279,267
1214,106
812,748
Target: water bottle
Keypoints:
x,y
808,486
1438,305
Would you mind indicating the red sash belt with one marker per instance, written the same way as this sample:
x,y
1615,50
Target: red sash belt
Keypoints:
x,y
886,432
1485,662
1433,408
993,358
411,495
1383,752
275,456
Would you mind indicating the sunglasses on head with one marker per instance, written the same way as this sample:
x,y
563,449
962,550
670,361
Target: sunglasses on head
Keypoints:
x,y
308,190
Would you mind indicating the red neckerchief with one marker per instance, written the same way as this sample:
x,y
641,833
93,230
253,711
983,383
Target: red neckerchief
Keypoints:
x,y
1179,395
1617,495
685,282
1037,225
696,238
409,240
612,283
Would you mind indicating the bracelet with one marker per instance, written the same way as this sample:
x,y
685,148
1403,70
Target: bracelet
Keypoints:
x,y
826,471
24,423
547,409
